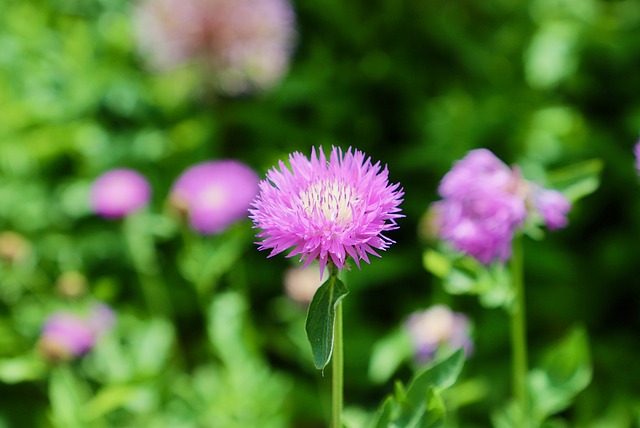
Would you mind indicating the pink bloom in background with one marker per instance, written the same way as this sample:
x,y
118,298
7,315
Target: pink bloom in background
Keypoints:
x,y
68,335
485,202
119,192
438,327
247,43
636,152
215,194
301,284
552,205
327,209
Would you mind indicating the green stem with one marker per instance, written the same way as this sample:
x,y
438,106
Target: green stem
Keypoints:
x,y
145,261
338,370
519,332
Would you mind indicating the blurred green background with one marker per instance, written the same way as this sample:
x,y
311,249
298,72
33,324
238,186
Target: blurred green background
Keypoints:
x,y
413,83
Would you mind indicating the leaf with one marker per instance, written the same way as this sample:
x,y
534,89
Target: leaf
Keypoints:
x,y
420,405
321,318
578,180
565,371
440,376
388,354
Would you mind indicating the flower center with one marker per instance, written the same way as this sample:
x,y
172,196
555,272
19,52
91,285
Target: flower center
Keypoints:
x,y
332,199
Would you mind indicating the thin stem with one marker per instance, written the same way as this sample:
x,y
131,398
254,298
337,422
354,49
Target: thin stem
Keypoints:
x,y
145,261
338,370
519,332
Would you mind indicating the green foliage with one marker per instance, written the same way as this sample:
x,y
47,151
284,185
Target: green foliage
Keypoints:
x,y
420,404
321,319
564,372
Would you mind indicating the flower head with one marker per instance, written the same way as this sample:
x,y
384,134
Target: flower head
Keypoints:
x,y
438,327
636,152
247,43
67,335
119,192
215,194
485,202
327,209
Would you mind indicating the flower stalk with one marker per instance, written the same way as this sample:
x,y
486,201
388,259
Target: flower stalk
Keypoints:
x,y
337,392
518,332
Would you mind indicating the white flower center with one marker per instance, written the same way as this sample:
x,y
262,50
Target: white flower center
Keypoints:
x,y
330,198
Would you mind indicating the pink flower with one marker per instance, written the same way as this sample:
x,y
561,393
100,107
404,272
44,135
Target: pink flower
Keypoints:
x,y
67,335
485,202
215,194
438,327
119,192
636,152
327,210
552,205
246,43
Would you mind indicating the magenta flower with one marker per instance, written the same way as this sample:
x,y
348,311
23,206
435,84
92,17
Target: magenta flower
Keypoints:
x,y
438,327
485,202
246,43
636,152
215,194
327,210
552,205
67,335
119,192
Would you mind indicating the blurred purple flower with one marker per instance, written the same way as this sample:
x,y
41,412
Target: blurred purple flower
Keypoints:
x,y
119,192
327,210
438,327
485,202
215,194
247,43
552,205
68,335
636,152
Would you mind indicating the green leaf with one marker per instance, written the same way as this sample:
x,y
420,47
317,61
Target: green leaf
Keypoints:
x,y
420,405
440,376
321,317
578,180
388,354
565,371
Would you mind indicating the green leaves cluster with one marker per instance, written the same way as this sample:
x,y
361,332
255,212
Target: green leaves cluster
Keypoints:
x,y
565,371
419,405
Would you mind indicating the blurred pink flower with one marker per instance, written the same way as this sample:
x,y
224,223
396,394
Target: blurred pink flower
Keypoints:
x,y
636,152
68,335
301,284
485,202
327,210
247,43
119,192
438,327
215,194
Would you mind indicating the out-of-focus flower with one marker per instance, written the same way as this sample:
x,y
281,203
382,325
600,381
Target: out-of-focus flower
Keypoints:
x,y
14,248
119,192
301,284
67,335
438,327
327,209
71,284
636,152
552,205
214,195
485,202
246,43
